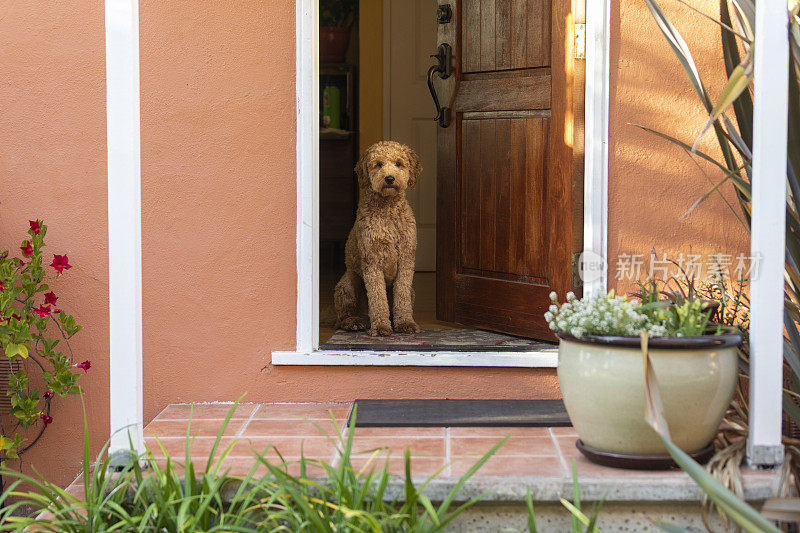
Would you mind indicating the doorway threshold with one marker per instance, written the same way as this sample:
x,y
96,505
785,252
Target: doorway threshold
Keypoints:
x,y
540,358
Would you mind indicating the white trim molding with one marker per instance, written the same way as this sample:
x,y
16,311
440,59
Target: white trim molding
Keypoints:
x,y
595,188
124,223
595,205
768,231
307,64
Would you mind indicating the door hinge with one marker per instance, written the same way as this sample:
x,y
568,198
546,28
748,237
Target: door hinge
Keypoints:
x,y
580,41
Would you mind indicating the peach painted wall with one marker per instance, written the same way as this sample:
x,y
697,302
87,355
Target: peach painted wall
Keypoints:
x,y
53,166
652,182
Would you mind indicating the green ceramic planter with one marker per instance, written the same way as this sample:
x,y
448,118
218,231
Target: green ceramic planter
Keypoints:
x,y
602,383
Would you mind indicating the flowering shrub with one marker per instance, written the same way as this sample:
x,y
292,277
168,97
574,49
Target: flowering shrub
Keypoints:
x,y
32,329
607,314
602,314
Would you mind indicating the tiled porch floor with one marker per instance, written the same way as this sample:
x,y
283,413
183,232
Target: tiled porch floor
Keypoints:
x,y
540,458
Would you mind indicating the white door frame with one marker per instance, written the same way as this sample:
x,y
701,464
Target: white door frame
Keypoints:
x,y
595,201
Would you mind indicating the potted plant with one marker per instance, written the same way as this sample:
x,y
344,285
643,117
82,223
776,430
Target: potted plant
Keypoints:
x,y
336,19
601,373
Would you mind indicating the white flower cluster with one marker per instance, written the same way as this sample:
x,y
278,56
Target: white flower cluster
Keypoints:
x,y
601,314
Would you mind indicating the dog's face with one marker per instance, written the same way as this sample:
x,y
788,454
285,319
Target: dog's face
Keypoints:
x,y
388,168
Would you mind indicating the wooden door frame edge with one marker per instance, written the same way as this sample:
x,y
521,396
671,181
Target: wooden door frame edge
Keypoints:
x,y
595,211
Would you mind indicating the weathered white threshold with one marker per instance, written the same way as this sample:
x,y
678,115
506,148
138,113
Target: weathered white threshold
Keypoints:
x,y
595,205
537,359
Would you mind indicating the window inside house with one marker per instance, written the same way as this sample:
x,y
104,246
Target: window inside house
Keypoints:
x,y
482,277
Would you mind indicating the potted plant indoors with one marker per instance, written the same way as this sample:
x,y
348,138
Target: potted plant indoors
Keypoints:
x,y
601,373
336,19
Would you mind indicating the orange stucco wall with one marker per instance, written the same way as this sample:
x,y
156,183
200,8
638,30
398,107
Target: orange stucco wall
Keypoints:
x,y
53,166
218,191
653,182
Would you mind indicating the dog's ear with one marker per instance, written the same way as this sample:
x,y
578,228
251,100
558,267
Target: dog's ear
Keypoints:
x,y
361,172
414,167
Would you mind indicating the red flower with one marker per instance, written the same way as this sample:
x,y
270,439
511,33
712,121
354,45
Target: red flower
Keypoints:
x,y
45,418
36,226
2,287
50,297
48,394
43,311
60,263
27,248
86,365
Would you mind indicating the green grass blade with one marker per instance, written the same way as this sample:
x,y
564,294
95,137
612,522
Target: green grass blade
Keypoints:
x,y
531,514
578,515
576,497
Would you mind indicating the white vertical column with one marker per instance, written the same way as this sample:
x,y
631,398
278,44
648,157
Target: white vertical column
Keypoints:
x,y
595,192
124,221
768,231
307,65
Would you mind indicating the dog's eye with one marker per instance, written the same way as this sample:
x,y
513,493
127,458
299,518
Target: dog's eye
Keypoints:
x,y
399,164
379,164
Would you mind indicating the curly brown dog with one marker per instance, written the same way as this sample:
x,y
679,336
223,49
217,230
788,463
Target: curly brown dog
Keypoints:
x,y
381,246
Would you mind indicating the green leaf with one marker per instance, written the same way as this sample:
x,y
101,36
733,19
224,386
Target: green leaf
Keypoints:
x,y
737,83
680,48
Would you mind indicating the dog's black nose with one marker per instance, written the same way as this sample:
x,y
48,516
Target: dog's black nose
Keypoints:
x,y
389,180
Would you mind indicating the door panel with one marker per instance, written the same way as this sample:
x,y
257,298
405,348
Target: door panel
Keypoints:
x,y
503,228
505,224
494,33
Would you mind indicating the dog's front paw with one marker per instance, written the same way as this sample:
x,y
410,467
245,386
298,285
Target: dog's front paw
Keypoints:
x,y
406,326
353,323
381,329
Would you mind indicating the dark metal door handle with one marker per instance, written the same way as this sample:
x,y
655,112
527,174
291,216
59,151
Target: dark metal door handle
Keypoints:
x,y
442,68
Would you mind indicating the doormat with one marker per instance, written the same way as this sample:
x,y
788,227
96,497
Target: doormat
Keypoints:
x,y
429,340
460,413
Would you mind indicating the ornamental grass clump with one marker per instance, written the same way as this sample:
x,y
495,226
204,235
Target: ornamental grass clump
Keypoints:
x,y
600,314
335,498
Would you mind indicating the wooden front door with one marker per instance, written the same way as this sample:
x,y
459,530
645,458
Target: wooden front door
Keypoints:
x,y
505,164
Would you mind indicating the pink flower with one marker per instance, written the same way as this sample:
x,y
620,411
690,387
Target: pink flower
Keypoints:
x,y
50,297
14,316
2,287
43,311
60,263
36,226
27,248
86,365
45,418
48,394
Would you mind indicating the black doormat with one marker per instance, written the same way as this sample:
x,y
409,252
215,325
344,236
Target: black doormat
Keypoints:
x,y
460,413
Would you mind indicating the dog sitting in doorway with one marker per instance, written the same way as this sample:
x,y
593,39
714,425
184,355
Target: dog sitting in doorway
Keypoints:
x,y
382,245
